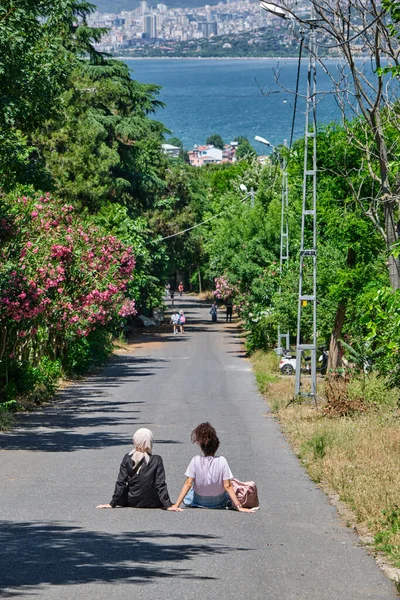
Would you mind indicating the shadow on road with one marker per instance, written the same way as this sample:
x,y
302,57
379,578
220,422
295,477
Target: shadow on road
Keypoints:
x,y
70,422
34,555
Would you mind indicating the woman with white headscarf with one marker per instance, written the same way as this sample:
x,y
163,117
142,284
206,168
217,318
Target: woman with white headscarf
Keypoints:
x,y
141,479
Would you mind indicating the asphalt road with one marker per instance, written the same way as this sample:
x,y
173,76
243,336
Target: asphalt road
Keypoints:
x,y
62,461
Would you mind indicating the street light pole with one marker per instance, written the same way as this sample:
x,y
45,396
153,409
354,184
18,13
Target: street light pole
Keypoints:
x,y
284,240
308,245
284,245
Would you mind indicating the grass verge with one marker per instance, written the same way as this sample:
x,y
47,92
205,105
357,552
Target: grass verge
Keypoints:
x,y
356,457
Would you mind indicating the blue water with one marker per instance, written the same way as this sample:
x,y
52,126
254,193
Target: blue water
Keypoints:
x,y
224,96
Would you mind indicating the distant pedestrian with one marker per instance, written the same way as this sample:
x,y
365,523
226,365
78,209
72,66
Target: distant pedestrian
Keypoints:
x,y
167,290
175,320
180,288
213,312
229,310
182,321
172,296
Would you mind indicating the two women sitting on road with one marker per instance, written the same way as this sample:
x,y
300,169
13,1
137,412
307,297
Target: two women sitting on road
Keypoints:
x,y
141,480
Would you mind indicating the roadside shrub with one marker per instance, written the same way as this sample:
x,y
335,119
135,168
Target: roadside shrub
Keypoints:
x,y
317,445
63,290
84,352
377,391
388,539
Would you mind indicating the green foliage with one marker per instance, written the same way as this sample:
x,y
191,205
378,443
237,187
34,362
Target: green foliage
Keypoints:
x,y
7,418
382,321
40,45
245,150
86,352
103,147
390,528
175,141
375,391
393,8
151,258
215,140
317,444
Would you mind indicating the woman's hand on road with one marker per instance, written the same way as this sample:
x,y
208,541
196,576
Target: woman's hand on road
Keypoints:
x,y
175,508
104,506
248,510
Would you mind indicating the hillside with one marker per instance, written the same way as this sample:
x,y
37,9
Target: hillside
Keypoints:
x,y
116,6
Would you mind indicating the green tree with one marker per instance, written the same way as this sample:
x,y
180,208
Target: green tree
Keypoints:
x,y
245,150
372,94
215,140
103,146
40,42
175,141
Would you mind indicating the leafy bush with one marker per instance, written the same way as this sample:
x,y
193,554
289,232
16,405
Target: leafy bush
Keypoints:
x,y
62,280
84,352
388,539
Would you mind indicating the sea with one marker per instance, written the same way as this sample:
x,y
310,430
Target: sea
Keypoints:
x,y
236,97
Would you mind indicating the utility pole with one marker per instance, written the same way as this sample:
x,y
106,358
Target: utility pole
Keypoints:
x,y
307,300
284,245
284,250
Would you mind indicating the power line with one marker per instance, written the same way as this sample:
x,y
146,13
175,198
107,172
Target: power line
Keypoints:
x,y
198,224
296,92
381,14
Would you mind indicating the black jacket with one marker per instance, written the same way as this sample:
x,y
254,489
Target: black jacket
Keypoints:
x,y
146,489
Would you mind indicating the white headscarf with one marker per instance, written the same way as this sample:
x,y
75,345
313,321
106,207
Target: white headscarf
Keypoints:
x,y
143,445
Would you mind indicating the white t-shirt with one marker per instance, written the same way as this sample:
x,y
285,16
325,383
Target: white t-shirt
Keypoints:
x,y
209,473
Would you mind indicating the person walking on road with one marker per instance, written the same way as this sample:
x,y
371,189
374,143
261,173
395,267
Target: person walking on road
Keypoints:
x,y
141,480
182,321
172,296
208,483
229,310
175,320
180,288
213,312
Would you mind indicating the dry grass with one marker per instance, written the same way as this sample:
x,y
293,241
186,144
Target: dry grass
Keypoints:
x,y
355,456
206,295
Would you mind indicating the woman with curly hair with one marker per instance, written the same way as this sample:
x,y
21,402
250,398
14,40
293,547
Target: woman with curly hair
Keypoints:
x,y
208,478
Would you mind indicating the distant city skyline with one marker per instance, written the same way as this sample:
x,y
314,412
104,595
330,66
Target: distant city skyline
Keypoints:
x,y
150,22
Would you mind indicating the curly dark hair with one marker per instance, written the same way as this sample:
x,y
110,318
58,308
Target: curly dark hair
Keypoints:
x,y
206,436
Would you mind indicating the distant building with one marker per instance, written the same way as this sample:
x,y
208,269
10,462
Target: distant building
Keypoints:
x,y
162,8
205,155
170,150
144,7
207,29
150,26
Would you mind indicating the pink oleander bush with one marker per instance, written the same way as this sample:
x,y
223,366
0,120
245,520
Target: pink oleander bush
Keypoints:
x,y
224,289
62,282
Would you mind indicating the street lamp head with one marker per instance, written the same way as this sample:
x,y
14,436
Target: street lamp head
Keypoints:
x,y
243,187
262,140
274,10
